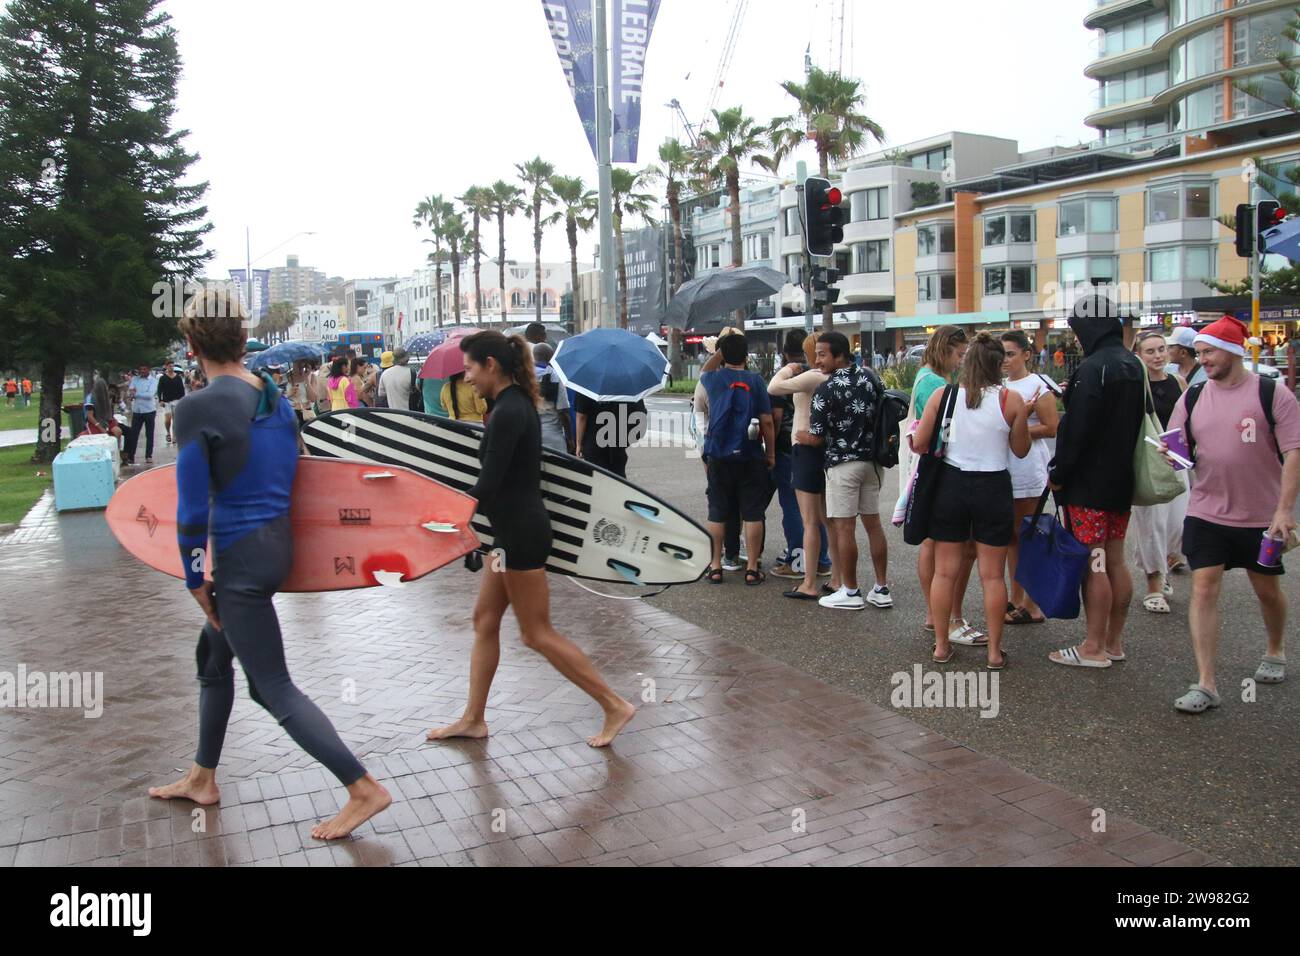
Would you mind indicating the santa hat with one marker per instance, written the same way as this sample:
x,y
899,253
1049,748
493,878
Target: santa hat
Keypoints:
x,y
1229,334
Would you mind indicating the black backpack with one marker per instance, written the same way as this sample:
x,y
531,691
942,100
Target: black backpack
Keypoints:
x,y
416,401
1266,389
891,410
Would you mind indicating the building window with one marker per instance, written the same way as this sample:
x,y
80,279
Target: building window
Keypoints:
x,y
758,247
793,263
936,159
792,227
869,204
1099,269
1180,201
1008,227
871,256
1178,263
934,239
1018,280
935,286
1079,217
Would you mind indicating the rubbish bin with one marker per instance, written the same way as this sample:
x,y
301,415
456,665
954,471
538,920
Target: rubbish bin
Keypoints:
x,y
76,419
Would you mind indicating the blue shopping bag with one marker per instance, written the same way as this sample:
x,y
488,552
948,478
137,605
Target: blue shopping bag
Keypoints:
x,y
1052,563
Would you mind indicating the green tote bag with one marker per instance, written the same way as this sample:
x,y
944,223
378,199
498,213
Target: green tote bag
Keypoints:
x,y
1154,481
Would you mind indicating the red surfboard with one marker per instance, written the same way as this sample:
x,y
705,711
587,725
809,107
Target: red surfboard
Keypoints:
x,y
355,525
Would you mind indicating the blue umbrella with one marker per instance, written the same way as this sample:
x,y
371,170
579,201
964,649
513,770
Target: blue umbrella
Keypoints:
x,y
1282,239
424,342
286,353
610,365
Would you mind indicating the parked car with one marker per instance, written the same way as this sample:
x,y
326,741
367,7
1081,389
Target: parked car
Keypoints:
x,y
914,354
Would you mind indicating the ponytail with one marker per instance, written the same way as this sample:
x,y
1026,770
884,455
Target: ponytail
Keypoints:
x,y
982,367
511,356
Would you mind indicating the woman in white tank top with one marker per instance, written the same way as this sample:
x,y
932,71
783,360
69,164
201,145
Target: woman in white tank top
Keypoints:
x,y
972,499
1028,474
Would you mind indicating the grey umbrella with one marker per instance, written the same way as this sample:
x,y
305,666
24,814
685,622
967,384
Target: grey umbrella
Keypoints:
x,y
721,292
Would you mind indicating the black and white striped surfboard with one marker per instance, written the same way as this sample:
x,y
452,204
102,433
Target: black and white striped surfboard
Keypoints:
x,y
603,528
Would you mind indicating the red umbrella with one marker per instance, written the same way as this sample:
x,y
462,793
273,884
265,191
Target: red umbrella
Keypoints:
x,y
447,359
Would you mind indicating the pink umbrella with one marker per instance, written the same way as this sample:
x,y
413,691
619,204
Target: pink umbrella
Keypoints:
x,y
447,359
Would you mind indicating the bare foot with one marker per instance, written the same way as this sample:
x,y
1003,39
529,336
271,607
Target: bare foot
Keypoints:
x,y
615,721
461,728
367,798
187,788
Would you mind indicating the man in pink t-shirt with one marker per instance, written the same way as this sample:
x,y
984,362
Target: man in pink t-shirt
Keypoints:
x,y
1241,492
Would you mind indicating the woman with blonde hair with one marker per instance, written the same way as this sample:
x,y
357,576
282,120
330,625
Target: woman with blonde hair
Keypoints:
x,y
807,469
509,494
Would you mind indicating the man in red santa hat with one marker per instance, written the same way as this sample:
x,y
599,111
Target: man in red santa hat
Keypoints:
x,y
1243,432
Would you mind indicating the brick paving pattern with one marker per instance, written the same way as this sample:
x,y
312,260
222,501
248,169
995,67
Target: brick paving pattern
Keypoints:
x,y
734,753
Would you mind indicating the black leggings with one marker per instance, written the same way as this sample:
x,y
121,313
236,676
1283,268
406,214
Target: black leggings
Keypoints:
x,y
246,577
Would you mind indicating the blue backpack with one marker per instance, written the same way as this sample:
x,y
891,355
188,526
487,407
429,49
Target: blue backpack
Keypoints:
x,y
729,418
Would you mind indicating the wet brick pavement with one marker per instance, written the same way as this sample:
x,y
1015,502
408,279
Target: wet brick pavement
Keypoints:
x,y
736,750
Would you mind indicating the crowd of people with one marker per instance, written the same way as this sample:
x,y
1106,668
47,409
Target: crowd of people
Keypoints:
x,y
1009,438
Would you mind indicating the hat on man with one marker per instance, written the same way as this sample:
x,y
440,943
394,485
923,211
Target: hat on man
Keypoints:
x,y
1229,334
386,360
1184,336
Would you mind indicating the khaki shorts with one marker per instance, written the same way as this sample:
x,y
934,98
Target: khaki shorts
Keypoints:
x,y
852,489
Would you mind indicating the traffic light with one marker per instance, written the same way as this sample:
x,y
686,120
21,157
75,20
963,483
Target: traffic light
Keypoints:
x,y
1268,213
823,218
1245,232
822,282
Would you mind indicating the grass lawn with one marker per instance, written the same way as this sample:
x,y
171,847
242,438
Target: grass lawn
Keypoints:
x,y
18,417
20,488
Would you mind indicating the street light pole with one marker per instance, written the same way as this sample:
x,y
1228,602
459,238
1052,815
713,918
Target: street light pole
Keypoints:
x,y
1257,254
604,122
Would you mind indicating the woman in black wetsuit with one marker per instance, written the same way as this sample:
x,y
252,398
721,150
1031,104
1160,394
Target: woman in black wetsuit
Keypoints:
x,y
509,494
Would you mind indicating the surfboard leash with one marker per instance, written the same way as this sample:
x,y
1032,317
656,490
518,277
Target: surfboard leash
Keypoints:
x,y
617,597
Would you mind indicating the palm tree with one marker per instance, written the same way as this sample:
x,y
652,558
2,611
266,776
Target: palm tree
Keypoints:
x,y
677,166
536,175
506,201
431,212
736,139
829,115
458,240
624,185
579,206
478,203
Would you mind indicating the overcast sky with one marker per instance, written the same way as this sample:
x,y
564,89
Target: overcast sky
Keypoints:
x,y
337,116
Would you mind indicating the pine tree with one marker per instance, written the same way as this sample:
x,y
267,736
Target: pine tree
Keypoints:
x,y
94,209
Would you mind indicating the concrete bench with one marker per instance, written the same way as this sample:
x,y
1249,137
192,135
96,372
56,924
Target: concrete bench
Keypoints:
x,y
85,473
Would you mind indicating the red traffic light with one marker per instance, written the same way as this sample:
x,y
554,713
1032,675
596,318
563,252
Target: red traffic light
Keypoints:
x,y
833,197
1279,216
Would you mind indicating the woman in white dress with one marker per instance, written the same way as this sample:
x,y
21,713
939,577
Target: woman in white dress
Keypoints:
x,y
1028,474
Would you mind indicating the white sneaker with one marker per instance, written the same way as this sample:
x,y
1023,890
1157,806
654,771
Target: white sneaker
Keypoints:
x,y
879,597
732,564
844,601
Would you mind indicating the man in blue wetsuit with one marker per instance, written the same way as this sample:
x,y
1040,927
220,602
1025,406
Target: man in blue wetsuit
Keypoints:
x,y
238,454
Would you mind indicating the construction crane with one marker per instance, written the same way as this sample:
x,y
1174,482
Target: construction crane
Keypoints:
x,y
675,104
728,49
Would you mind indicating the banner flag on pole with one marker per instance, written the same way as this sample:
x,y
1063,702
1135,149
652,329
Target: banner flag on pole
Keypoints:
x,y
261,293
570,24
634,21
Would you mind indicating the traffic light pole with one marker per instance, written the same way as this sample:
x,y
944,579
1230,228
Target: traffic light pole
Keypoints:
x,y
801,174
1257,255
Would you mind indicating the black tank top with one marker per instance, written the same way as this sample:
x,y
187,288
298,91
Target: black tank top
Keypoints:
x,y
1165,396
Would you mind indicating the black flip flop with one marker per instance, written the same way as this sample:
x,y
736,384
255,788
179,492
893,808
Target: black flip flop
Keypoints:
x,y
754,577
713,575
1006,660
797,595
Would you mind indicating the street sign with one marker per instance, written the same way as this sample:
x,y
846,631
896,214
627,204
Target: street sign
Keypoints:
x,y
873,325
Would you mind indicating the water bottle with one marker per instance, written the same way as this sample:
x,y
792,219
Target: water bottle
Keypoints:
x,y
753,429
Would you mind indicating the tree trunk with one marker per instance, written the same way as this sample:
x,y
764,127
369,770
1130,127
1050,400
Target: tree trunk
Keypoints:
x,y
437,290
675,334
478,290
501,263
733,189
622,270
455,281
537,254
50,423
571,226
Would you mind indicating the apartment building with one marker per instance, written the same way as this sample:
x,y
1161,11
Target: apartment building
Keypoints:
x,y
1169,69
297,284
1014,258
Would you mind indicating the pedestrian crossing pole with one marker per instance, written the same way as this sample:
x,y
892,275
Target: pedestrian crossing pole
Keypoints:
x,y
801,177
1255,261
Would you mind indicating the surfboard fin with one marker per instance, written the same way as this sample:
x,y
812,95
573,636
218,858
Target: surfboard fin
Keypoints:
x,y
439,527
631,574
649,512
373,476
390,579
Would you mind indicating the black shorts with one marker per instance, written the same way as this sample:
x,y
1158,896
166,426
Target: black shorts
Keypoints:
x,y
808,469
744,485
1208,545
973,506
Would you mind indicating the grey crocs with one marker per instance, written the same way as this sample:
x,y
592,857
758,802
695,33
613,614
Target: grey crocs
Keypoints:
x,y
1271,670
1197,700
